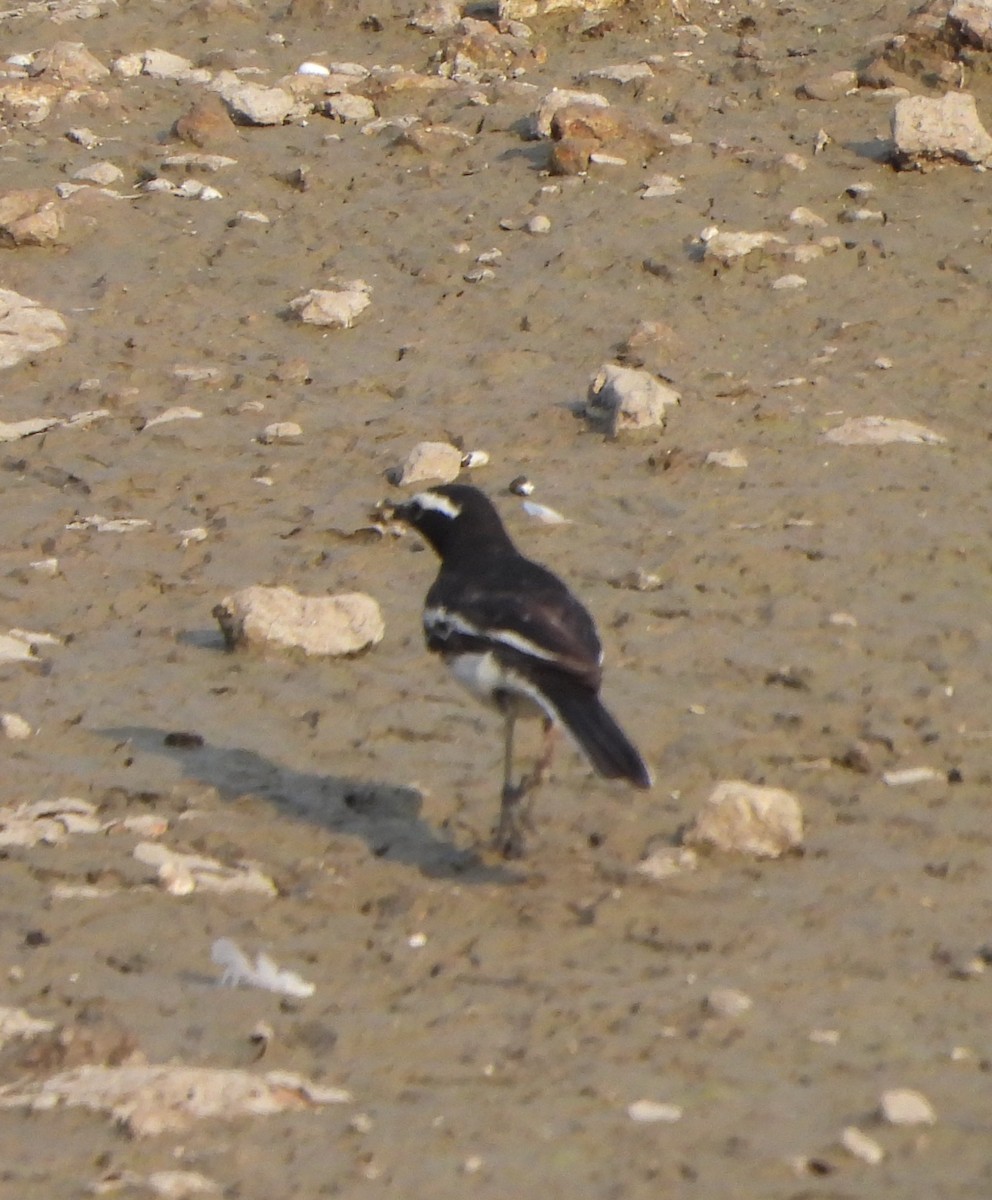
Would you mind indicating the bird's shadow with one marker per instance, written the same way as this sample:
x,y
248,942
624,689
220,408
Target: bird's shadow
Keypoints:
x,y
385,816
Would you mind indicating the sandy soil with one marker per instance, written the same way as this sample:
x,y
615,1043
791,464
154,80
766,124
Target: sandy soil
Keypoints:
x,y
499,1057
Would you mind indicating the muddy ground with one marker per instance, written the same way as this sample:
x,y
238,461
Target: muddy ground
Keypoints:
x,y
822,618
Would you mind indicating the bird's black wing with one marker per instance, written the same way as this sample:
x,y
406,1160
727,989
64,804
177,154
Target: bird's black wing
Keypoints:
x,y
519,606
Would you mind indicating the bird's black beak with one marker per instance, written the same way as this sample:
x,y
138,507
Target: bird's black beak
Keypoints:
x,y
390,510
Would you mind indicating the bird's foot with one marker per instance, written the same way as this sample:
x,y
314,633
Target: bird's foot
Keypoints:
x,y
514,819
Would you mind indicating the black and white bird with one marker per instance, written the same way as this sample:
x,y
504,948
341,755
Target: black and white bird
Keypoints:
x,y
514,635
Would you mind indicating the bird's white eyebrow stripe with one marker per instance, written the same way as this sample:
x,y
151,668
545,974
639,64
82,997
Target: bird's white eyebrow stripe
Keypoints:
x,y
438,503
440,616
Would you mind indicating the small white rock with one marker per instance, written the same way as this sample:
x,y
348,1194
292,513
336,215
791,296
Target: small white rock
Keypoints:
x,y
880,431
666,862
789,283
544,514
280,431
733,460
728,1002
538,224
654,1111
15,727
430,460
320,625
745,818
177,413
336,307
903,1106
103,173
628,399
312,68
907,776
860,1145
661,187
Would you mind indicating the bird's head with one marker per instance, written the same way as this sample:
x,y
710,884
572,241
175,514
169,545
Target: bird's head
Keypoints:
x,y
453,514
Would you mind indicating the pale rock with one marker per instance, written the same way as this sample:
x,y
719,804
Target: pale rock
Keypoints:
x,y
559,98
151,1099
437,16
806,218
665,862
727,246
728,1002
346,107
538,224
17,1023
860,1145
13,431
278,616
732,460
15,727
70,63
336,307
104,173
163,64
974,19
177,413
880,431
903,1106
628,399
31,217
925,128
28,101
649,1112
128,66
621,72
429,460
788,283
14,650
523,10
256,104
660,187
26,328
280,431
745,818
181,874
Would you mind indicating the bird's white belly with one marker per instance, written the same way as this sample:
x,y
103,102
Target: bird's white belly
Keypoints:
x,y
483,676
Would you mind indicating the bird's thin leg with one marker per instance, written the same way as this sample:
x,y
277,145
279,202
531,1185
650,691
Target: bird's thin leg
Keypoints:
x,y
543,764
512,819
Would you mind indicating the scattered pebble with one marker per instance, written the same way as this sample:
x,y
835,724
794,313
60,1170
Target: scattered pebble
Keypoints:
x,y
280,431
907,776
437,461
541,512
150,1099
182,874
15,727
903,1106
647,1112
178,413
880,431
728,1002
664,862
26,328
320,625
336,307
745,818
860,1145
733,460
626,399
930,128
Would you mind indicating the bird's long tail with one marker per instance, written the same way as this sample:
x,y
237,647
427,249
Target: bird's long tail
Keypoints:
x,y
600,738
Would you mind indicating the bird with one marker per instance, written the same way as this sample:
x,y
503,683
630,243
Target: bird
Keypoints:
x,y
513,634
